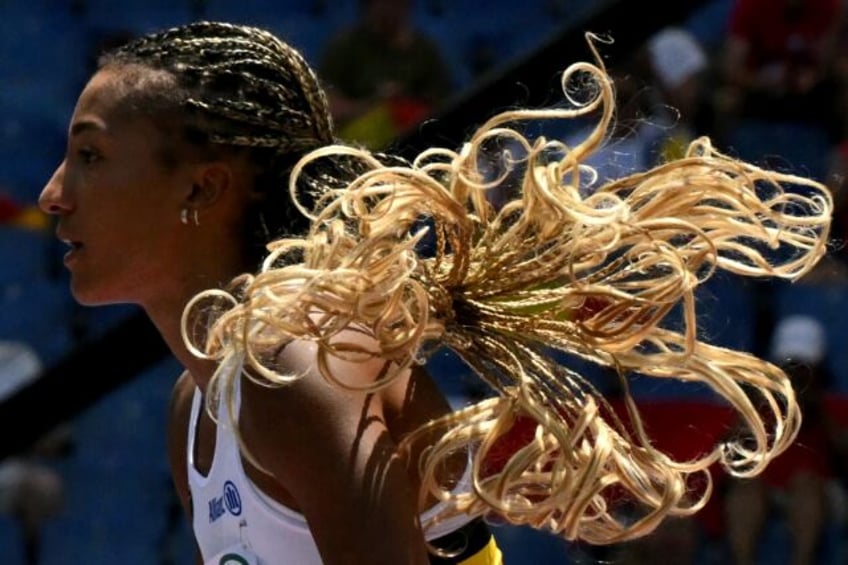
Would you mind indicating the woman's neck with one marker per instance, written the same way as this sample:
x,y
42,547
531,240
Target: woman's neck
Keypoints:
x,y
166,313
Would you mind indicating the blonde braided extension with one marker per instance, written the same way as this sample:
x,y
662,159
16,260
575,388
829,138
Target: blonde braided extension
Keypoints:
x,y
592,276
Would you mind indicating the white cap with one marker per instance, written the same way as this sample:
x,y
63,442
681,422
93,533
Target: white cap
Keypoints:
x,y
801,338
19,365
676,55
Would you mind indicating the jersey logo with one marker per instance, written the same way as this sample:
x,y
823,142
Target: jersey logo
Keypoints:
x,y
229,501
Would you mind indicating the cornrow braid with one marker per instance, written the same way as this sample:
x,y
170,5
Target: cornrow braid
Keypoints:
x,y
275,87
238,87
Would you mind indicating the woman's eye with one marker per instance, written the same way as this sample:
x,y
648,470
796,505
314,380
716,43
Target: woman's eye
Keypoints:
x,y
88,155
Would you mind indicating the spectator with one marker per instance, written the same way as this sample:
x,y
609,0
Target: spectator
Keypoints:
x,y
837,179
383,74
776,98
678,65
658,104
837,171
31,490
796,483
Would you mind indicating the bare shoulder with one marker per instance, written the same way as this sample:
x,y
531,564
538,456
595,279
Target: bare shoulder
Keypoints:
x,y
331,449
313,406
308,407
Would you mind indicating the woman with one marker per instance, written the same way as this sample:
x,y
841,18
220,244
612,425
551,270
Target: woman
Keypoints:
x,y
302,316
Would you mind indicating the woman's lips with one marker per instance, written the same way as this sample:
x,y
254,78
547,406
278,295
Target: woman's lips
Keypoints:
x,y
75,248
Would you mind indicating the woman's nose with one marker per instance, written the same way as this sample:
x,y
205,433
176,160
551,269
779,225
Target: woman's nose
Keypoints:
x,y
53,198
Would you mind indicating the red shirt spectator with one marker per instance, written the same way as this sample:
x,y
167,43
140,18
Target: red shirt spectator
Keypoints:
x,y
778,51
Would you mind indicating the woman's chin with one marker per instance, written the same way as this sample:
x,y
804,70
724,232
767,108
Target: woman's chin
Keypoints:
x,y
87,296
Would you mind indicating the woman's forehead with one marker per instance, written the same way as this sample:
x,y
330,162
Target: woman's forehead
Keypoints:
x,y
102,93
116,94
102,109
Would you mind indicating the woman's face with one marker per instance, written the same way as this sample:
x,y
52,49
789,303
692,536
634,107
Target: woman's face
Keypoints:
x,y
117,205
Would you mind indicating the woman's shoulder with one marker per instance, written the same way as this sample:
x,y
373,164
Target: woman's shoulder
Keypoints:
x,y
182,393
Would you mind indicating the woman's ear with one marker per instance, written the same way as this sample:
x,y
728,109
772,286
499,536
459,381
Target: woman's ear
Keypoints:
x,y
210,182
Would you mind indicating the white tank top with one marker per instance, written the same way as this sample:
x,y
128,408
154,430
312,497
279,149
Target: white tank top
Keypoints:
x,y
237,524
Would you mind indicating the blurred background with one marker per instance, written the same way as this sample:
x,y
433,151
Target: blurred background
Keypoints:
x,y
84,392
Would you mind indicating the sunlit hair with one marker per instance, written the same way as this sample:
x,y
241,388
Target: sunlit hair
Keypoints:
x,y
592,273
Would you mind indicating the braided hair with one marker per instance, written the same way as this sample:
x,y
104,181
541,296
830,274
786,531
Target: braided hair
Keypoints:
x,y
227,87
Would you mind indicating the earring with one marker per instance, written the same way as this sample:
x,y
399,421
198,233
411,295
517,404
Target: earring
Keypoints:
x,y
195,217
